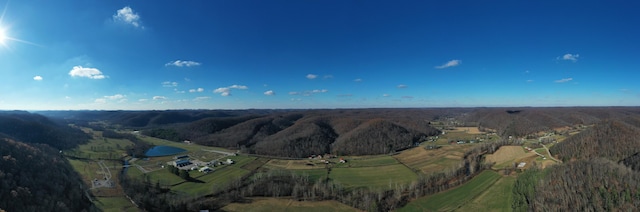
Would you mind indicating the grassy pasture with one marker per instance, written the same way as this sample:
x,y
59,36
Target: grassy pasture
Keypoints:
x,y
352,161
370,177
497,198
429,161
120,203
214,180
273,204
456,197
507,155
468,130
220,177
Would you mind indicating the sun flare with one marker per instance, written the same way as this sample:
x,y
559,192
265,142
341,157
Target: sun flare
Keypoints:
x,y
3,36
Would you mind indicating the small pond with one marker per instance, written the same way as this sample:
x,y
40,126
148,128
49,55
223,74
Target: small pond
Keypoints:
x,y
158,151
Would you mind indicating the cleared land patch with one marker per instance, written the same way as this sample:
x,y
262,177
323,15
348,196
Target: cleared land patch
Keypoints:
x,y
497,198
454,198
429,161
470,130
507,155
272,204
373,177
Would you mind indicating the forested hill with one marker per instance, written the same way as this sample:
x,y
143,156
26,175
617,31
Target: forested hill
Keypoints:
x,y
528,120
35,128
303,133
34,177
611,139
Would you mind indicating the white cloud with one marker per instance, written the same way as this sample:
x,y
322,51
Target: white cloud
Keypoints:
x,y
311,76
199,90
143,100
115,97
309,93
91,73
402,86
529,80
572,57
357,80
241,87
119,97
159,97
37,78
168,84
226,91
128,16
451,63
564,80
328,76
269,93
182,63
386,95
201,98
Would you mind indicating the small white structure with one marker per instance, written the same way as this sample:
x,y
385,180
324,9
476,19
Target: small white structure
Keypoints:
x,y
205,169
521,165
229,161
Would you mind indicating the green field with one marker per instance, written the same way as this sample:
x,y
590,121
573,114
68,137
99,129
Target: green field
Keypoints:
x,y
115,204
454,198
216,179
497,198
369,177
271,204
382,160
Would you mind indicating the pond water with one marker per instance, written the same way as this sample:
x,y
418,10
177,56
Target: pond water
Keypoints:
x,y
157,151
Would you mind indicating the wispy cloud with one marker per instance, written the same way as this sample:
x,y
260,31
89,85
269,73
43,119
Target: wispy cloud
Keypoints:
x,y
402,86
329,76
159,97
564,80
168,84
226,91
309,92
269,93
117,97
451,63
571,57
386,95
182,63
357,80
311,76
126,15
38,78
201,98
199,90
91,73
529,81
407,97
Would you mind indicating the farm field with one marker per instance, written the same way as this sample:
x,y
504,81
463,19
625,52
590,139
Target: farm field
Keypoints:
x,y
456,197
507,155
214,180
497,198
469,130
352,161
272,204
374,177
428,161
120,203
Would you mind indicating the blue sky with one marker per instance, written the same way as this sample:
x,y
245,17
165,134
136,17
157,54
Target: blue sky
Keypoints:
x,y
138,55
